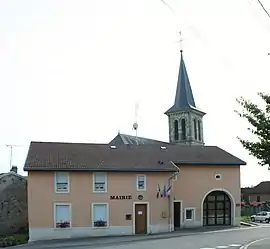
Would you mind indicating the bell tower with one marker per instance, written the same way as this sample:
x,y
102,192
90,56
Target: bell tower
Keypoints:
x,y
185,119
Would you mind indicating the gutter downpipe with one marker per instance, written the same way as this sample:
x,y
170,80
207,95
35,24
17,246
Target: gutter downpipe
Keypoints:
x,y
170,199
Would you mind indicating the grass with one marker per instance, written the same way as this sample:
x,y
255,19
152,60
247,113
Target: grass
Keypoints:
x,y
18,238
22,238
245,218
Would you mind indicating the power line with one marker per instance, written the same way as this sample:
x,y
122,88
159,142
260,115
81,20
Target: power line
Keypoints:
x,y
265,10
166,4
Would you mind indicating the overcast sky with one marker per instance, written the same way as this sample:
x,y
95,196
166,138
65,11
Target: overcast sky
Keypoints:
x,y
74,70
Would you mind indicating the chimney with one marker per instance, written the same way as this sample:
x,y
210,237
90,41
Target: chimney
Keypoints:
x,y
14,169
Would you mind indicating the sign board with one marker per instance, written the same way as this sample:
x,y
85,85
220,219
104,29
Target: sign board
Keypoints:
x,y
120,197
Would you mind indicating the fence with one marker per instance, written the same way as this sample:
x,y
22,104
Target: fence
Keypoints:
x,y
250,210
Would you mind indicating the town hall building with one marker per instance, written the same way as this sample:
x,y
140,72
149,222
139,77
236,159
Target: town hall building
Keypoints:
x,y
134,185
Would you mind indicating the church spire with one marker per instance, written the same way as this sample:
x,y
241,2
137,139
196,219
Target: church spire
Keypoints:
x,y
184,97
185,119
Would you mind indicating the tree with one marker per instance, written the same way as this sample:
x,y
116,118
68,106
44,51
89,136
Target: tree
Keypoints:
x,y
259,120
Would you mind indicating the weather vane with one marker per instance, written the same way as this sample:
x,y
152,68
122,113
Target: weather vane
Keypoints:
x,y
181,41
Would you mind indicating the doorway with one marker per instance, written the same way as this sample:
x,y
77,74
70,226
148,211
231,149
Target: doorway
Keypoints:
x,y
140,218
177,214
217,209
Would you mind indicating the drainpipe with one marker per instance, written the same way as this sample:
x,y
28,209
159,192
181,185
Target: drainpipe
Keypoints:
x,y
170,199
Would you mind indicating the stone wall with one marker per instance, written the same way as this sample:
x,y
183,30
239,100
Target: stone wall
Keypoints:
x,y
13,203
189,116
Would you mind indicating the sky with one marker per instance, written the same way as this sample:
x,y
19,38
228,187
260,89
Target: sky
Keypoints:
x,y
73,71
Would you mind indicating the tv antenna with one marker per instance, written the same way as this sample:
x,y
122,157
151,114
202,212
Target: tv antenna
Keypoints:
x,y
135,124
11,146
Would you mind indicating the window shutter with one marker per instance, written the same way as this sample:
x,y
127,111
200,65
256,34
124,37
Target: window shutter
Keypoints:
x,y
99,177
100,212
62,213
62,177
141,178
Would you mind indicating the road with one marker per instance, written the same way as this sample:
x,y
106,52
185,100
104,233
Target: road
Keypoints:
x,y
230,239
259,244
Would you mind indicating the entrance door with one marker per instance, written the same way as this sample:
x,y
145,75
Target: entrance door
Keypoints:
x,y
140,218
217,209
177,214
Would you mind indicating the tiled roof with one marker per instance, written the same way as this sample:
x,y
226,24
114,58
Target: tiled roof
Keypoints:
x,y
261,188
104,157
121,139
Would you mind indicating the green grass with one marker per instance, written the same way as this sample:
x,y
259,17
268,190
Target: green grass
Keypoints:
x,y
245,218
18,238
22,238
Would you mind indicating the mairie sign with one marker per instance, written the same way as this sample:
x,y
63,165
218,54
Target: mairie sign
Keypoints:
x,y
120,197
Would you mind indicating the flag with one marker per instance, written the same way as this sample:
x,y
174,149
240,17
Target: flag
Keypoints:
x,y
164,191
158,191
169,190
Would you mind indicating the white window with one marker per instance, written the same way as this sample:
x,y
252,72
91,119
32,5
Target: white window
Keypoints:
x,y
141,182
190,213
100,215
61,182
100,182
62,215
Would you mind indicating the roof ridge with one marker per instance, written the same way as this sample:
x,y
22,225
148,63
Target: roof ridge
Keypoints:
x,y
45,142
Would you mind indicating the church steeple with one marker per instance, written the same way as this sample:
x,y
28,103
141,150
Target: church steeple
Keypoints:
x,y
185,120
184,97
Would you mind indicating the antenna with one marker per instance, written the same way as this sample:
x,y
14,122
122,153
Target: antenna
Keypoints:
x,y
135,124
11,152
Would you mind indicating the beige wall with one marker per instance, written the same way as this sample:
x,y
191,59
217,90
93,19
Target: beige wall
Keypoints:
x,y
263,197
195,182
41,197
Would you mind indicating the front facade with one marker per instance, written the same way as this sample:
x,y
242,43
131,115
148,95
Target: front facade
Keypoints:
x,y
96,204
211,192
133,190
134,185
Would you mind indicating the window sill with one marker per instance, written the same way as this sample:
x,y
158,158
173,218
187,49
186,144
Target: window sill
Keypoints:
x,y
62,228
189,219
96,191
100,227
61,192
141,190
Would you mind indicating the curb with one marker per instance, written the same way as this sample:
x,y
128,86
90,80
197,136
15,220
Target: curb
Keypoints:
x,y
249,224
115,240
123,240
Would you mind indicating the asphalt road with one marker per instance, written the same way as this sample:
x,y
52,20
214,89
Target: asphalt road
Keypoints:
x,y
259,244
231,239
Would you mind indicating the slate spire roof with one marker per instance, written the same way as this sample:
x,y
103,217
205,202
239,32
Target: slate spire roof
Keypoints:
x,y
128,139
184,97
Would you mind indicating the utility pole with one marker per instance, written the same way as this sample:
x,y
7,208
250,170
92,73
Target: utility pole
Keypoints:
x,y
11,153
